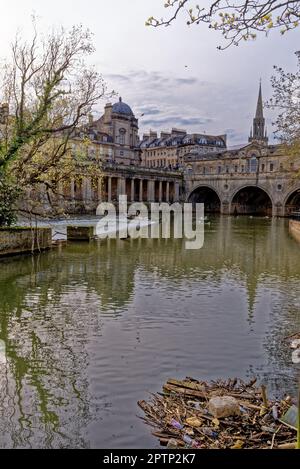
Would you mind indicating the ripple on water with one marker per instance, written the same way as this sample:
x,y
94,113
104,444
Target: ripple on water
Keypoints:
x,y
92,328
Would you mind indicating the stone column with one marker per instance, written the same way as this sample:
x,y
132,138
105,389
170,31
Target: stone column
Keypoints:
x,y
109,189
119,187
83,189
150,191
132,190
225,207
278,209
100,185
88,189
141,190
72,189
60,190
160,194
168,192
176,191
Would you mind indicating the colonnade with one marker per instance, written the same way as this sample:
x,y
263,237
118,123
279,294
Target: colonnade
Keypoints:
x,y
137,189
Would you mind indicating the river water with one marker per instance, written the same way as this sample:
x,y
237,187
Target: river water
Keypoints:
x,y
88,329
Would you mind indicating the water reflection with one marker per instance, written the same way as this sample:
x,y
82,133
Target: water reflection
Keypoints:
x,y
88,329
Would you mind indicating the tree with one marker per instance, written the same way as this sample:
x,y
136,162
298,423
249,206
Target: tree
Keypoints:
x,y
49,92
286,101
9,193
237,20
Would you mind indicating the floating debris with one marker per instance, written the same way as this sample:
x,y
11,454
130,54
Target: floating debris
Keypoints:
x,y
219,414
294,342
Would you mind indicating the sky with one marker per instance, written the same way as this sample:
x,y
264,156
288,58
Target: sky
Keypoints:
x,y
175,76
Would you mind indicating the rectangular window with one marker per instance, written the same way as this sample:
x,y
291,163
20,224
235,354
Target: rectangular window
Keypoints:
x,y
262,167
235,169
219,169
271,166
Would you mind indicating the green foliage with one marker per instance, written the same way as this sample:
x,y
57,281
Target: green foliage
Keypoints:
x,y
9,194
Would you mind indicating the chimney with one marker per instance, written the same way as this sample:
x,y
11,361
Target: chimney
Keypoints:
x,y
107,113
224,138
153,134
165,135
91,119
178,132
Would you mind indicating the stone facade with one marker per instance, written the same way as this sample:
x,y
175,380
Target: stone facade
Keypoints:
x,y
168,150
137,183
121,127
253,178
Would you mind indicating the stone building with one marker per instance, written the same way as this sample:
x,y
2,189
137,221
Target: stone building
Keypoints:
x,y
252,178
120,126
168,150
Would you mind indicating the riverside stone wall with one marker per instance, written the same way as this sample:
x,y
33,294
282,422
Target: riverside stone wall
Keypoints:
x,y
22,240
294,228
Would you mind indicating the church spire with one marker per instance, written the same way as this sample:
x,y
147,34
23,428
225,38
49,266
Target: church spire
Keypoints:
x,y
259,133
259,108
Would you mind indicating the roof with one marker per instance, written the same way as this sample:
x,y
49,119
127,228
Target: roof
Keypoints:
x,y
188,139
238,147
122,108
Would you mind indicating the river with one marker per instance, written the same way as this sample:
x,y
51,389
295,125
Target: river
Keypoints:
x,y
88,329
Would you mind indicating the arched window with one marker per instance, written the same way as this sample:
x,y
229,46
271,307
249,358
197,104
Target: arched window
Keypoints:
x,y
253,164
122,133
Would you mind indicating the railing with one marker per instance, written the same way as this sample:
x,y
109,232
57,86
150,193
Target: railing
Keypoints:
x,y
295,215
143,169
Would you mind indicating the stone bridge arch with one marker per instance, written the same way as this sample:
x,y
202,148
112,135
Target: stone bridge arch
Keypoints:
x,y
208,195
251,199
291,201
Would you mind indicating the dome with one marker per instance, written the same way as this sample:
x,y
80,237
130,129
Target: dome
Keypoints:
x,y
122,108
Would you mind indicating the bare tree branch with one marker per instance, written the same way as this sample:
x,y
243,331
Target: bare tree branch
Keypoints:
x,y
49,92
237,20
286,101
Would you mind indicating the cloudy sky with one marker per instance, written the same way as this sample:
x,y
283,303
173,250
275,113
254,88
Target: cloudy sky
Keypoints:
x,y
175,76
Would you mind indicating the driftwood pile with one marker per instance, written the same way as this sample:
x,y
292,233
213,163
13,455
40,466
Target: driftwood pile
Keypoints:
x,y
184,416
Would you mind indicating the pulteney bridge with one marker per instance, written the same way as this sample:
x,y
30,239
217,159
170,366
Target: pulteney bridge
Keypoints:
x,y
251,179
262,194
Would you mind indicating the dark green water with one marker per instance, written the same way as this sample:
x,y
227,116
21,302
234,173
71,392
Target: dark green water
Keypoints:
x,y
89,329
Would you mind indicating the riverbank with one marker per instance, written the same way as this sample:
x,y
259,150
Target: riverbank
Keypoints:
x,y
294,229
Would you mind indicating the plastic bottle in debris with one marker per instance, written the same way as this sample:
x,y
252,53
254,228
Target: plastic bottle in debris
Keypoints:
x,y
275,411
176,424
209,432
187,439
